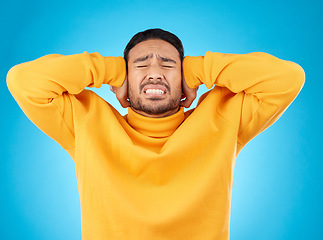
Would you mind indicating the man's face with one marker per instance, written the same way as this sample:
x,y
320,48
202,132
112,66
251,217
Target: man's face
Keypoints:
x,y
154,78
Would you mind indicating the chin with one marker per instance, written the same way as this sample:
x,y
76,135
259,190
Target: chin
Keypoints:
x,y
156,111
155,107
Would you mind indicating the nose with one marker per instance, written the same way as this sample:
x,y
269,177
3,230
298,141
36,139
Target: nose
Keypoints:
x,y
155,73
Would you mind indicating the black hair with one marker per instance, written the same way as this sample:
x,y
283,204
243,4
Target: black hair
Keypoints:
x,y
155,33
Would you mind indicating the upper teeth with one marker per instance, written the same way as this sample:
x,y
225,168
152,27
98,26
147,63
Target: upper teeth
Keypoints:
x,y
154,91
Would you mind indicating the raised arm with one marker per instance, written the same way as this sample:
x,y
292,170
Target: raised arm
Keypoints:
x,y
50,90
267,84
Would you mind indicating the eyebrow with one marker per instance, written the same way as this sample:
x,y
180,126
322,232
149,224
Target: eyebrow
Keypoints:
x,y
142,59
166,59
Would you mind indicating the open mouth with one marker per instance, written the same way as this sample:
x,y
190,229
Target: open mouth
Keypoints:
x,y
155,90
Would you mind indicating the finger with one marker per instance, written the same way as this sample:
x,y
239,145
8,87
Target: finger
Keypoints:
x,y
124,102
183,104
186,103
112,89
189,100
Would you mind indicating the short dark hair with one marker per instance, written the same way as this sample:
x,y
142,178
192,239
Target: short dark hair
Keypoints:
x,y
155,33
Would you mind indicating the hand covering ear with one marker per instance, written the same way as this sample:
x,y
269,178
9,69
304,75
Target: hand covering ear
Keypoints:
x,y
188,95
122,93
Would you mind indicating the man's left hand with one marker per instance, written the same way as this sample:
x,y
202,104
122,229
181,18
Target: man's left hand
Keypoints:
x,y
189,94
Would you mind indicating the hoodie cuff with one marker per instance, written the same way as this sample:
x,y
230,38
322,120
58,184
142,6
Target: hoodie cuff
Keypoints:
x,y
115,71
193,70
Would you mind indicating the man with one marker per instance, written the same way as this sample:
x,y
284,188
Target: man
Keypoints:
x,y
157,172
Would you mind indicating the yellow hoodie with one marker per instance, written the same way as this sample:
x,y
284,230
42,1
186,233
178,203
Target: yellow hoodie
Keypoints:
x,y
145,178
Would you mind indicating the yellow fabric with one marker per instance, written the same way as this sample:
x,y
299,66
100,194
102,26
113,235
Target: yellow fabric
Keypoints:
x,y
147,178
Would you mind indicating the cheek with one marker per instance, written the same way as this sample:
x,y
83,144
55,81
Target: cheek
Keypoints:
x,y
176,80
133,79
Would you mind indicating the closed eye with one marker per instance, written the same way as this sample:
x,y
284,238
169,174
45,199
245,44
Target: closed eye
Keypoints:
x,y
142,66
167,66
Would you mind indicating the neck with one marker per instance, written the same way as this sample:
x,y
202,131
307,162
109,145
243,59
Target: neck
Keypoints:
x,y
155,127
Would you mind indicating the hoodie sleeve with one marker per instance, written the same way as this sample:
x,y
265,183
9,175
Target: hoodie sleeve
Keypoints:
x,y
268,85
50,89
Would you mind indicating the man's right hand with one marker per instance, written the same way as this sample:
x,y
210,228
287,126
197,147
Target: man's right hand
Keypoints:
x,y
122,93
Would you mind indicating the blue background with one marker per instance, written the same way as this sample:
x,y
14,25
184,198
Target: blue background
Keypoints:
x,y
277,190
